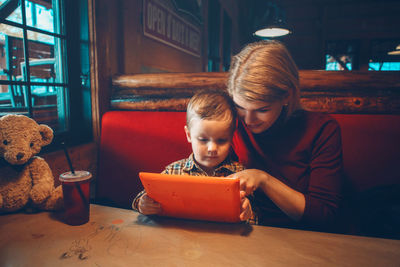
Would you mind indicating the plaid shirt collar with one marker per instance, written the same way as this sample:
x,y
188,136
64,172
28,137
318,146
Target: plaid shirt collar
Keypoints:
x,y
227,164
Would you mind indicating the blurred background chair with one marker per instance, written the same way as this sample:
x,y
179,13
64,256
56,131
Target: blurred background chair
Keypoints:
x,y
41,67
41,70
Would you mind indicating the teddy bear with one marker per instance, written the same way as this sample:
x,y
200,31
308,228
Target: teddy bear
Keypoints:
x,y
26,180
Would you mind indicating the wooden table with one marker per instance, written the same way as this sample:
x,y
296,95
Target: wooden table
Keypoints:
x,y
118,237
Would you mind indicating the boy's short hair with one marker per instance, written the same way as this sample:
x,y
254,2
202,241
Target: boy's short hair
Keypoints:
x,y
211,105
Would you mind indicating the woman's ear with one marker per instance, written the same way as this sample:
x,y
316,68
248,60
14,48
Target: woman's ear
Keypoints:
x,y
187,134
286,100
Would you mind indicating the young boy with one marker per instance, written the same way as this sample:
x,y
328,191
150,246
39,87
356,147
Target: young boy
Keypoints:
x,y
210,123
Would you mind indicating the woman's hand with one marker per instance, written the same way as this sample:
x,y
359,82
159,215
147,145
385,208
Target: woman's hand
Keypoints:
x,y
245,211
251,179
290,201
148,206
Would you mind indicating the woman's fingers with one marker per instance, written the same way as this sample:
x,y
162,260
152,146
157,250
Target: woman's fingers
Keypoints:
x,y
245,208
244,184
247,187
251,179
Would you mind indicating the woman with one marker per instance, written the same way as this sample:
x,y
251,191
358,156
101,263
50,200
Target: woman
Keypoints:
x,y
294,157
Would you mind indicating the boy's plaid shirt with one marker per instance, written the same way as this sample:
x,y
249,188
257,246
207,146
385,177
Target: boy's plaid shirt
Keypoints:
x,y
189,167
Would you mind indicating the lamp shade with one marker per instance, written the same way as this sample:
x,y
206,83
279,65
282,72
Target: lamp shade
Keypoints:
x,y
395,52
272,31
272,23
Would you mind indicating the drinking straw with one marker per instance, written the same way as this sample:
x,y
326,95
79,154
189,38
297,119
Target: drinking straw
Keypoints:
x,y
73,172
68,158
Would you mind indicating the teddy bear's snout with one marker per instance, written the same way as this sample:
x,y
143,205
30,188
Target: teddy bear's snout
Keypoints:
x,y
20,155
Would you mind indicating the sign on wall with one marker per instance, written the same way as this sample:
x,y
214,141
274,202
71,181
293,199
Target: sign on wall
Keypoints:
x,y
166,26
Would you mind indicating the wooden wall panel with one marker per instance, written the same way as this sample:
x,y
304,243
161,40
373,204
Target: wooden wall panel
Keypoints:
x,y
83,157
142,54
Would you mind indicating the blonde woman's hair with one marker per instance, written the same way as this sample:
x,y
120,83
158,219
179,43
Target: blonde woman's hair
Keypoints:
x,y
211,105
265,71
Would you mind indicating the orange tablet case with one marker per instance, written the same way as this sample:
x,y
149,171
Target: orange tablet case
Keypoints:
x,y
194,197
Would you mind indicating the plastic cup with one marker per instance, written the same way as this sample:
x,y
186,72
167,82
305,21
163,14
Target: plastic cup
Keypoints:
x,y
76,188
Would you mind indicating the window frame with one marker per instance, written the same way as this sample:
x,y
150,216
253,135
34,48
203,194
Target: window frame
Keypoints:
x,y
76,99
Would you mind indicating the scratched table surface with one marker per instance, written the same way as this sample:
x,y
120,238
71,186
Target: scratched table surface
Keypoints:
x,y
119,237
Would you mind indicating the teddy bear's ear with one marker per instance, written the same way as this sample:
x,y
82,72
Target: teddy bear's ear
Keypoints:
x,y
47,134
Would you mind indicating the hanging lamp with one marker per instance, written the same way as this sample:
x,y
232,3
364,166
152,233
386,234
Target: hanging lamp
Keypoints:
x,y
273,23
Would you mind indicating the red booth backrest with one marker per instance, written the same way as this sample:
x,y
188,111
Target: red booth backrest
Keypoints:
x,y
371,149
134,141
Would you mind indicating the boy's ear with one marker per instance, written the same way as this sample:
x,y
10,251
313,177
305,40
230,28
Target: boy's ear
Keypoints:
x,y
187,134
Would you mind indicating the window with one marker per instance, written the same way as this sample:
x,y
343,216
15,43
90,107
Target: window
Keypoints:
x,y
342,62
341,55
214,58
219,38
226,45
381,58
378,55
44,64
390,66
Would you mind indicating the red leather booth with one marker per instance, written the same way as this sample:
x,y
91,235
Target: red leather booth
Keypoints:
x,y
134,141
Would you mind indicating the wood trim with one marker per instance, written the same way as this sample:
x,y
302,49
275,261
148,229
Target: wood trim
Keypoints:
x,y
332,92
319,80
94,79
170,80
104,38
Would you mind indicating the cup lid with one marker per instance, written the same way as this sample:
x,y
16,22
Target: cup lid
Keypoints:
x,y
77,176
